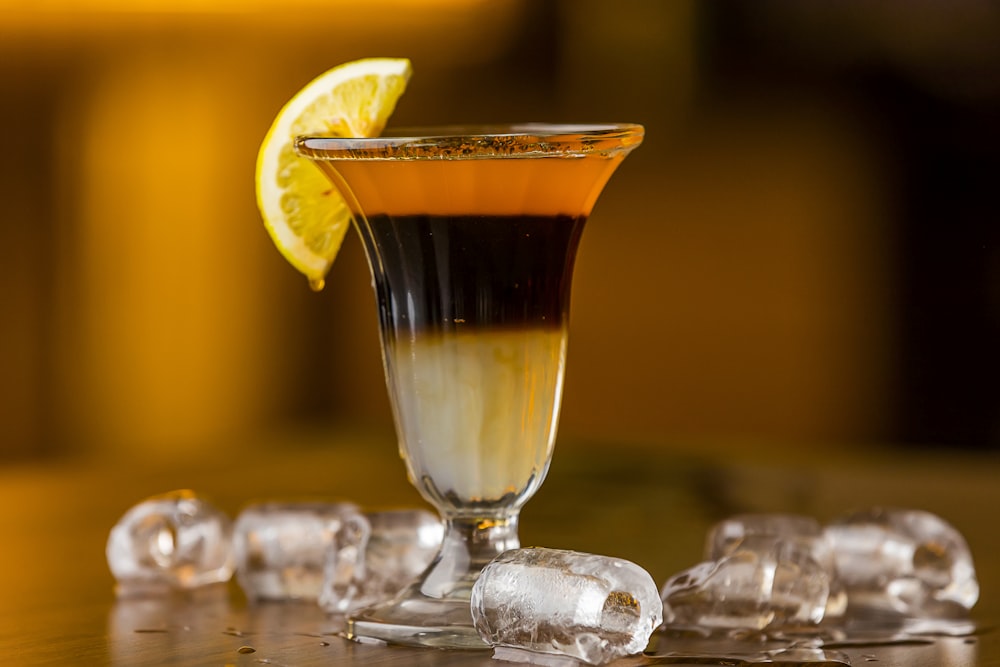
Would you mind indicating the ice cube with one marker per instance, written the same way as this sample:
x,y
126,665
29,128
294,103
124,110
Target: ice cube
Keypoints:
x,y
285,550
728,535
401,545
584,606
173,541
906,562
737,532
764,583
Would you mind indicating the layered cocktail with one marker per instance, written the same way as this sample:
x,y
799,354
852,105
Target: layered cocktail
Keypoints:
x,y
471,236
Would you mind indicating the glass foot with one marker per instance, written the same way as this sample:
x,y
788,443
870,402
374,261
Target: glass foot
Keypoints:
x,y
436,609
413,619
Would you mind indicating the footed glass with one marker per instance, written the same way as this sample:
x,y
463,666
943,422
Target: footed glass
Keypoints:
x,y
471,235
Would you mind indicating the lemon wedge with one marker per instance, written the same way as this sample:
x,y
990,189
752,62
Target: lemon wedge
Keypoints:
x,y
304,214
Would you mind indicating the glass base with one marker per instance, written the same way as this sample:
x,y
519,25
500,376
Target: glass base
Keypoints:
x,y
436,609
416,620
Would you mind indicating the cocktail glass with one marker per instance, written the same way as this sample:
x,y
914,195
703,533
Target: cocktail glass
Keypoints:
x,y
471,236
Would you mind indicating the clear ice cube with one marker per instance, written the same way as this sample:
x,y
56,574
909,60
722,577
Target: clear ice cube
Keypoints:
x,y
173,541
403,543
905,562
764,583
287,550
588,607
744,530
728,535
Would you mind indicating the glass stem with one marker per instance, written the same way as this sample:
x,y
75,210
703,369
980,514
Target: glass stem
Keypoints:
x,y
469,544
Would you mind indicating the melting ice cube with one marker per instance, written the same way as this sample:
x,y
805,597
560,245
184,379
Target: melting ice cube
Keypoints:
x,y
907,562
728,535
747,531
285,550
173,541
588,607
401,544
763,583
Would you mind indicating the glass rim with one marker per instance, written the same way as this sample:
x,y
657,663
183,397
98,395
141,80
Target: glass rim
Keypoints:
x,y
477,141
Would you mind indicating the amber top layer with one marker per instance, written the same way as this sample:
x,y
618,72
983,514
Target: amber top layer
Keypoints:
x,y
530,169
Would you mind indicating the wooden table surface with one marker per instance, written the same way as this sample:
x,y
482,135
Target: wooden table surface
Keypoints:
x,y
648,504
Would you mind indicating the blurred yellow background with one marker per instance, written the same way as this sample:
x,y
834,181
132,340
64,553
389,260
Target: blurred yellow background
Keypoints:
x,y
803,254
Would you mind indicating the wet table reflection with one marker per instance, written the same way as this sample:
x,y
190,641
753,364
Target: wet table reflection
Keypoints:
x,y
210,629
646,504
